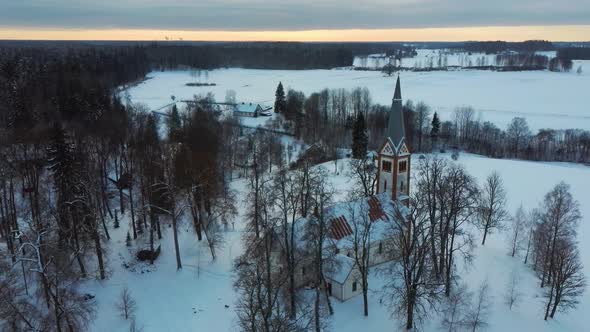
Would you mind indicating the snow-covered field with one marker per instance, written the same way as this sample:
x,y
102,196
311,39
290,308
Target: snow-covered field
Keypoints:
x,y
195,298
546,99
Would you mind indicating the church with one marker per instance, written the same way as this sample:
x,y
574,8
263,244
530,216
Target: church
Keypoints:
x,y
393,163
391,200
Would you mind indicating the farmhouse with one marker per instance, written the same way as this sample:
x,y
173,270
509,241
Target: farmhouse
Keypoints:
x,y
342,276
247,109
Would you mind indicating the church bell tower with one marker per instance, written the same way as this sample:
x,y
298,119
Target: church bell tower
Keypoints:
x,y
393,165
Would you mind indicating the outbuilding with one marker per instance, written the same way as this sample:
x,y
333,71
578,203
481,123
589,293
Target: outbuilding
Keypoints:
x,y
248,109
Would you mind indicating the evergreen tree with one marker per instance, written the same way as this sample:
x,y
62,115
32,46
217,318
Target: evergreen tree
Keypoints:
x,y
435,129
280,101
359,137
62,161
173,122
66,172
128,240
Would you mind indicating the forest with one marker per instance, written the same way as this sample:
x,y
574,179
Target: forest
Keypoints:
x,y
76,161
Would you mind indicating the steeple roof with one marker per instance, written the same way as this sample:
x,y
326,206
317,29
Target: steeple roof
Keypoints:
x,y
395,128
398,90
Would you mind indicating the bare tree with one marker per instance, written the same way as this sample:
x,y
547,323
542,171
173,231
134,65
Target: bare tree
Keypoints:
x,y
316,235
491,205
414,289
518,133
559,214
517,231
478,314
364,173
568,282
260,281
454,309
133,326
17,312
513,296
422,122
459,195
360,241
529,228
126,304
431,171
287,190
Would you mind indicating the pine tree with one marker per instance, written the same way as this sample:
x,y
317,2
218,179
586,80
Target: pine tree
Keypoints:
x,y
128,240
173,122
359,137
62,160
66,172
280,101
435,129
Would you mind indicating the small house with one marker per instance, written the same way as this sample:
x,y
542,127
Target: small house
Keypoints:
x,y
248,110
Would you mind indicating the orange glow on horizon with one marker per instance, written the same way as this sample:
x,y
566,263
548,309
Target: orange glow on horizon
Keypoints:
x,y
508,33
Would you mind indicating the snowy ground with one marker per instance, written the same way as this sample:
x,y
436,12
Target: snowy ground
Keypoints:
x,y
195,297
546,99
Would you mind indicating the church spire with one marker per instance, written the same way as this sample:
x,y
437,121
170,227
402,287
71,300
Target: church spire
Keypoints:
x,y
395,128
398,90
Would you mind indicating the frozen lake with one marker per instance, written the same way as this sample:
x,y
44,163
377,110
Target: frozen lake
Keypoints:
x,y
546,99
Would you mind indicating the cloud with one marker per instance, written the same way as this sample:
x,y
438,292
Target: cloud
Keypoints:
x,y
289,15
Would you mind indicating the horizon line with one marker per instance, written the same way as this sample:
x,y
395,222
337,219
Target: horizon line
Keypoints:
x,y
554,33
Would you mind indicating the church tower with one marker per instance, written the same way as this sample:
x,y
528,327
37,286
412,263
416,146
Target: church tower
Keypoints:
x,y
393,167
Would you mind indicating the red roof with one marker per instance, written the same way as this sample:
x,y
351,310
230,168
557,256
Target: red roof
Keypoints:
x,y
340,228
375,209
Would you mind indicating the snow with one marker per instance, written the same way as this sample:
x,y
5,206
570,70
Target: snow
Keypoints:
x,y
195,297
345,265
526,183
546,99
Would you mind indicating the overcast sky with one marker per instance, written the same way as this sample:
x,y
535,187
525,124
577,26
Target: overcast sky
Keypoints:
x,y
239,15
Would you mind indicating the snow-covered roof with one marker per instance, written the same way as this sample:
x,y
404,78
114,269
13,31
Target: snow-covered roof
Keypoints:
x,y
247,108
344,266
379,209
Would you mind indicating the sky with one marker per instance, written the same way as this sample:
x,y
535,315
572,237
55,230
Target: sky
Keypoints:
x,y
313,20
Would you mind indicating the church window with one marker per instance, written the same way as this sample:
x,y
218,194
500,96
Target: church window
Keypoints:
x,y
385,185
403,165
386,166
401,186
354,286
380,248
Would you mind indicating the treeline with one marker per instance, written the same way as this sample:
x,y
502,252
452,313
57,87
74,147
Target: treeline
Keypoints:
x,y
269,55
574,53
490,47
467,132
328,117
210,55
